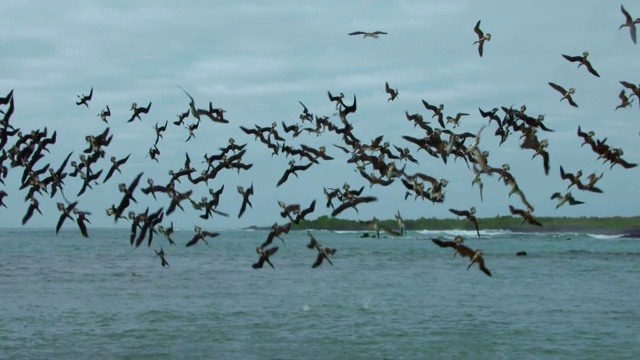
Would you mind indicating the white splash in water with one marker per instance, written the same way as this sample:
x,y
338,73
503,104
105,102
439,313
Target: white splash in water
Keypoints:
x,y
306,307
367,302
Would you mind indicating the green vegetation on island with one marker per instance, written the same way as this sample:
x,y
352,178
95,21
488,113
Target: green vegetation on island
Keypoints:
x,y
618,225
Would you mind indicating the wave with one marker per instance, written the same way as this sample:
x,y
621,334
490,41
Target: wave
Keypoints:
x,y
468,233
604,237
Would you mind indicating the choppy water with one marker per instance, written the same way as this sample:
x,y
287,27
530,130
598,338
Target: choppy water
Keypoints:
x,y
69,297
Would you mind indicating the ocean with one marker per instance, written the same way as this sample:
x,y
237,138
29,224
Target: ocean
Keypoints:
x,y
574,296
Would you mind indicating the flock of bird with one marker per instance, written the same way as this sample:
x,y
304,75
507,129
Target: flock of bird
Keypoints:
x,y
377,161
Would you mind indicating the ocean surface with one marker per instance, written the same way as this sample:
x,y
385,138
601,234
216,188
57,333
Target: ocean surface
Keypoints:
x,y
574,296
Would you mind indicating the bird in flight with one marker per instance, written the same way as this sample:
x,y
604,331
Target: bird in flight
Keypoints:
x,y
375,34
481,38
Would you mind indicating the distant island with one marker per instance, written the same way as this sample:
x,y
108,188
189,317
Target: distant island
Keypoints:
x,y
629,226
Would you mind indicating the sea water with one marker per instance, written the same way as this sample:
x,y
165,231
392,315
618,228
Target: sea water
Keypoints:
x,y
574,296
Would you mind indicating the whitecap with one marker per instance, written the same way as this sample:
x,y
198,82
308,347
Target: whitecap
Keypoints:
x,y
604,237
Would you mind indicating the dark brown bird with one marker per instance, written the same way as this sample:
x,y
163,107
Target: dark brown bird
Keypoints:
x,y
137,111
265,257
526,215
245,199
478,259
393,93
34,206
293,168
115,167
566,198
630,23
84,99
353,203
456,245
275,232
582,60
373,35
470,215
322,254
624,100
81,220
437,111
201,235
566,94
66,213
162,258
301,213
481,38
104,114
635,90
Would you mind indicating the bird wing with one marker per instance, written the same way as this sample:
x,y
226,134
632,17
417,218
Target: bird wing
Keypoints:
x,y
460,212
627,16
429,106
83,228
271,251
319,259
194,240
482,267
572,58
558,88
441,243
478,31
591,69
629,86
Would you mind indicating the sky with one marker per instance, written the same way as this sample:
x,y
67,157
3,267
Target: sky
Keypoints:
x,y
258,59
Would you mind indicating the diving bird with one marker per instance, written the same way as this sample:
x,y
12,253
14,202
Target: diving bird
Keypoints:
x,y
104,114
275,232
635,90
66,213
478,259
526,215
624,100
245,199
457,246
163,260
393,93
323,253
582,60
201,235
566,198
481,38
293,168
81,219
115,167
566,94
630,23
265,257
373,35
353,203
137,111
84,99
470,215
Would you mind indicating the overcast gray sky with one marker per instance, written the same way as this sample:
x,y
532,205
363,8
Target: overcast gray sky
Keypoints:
x,y
258,59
